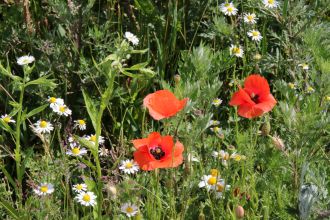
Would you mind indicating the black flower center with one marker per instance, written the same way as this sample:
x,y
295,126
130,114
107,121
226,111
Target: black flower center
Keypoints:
x,y
157,152
255,98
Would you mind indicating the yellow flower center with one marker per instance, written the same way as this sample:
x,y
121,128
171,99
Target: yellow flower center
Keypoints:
x,y
212,180
236,50
270,1
43,124
327,98
44,189
52,99
214,172
75,150
128,165
250,17
129,209
62,108
6,119
92,138
216,129
86,198
227,4
291,85
230,9
81,122
79,187
237,157
220,188
310,89
255,33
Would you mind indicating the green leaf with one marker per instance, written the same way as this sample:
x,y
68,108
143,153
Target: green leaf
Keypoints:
x,y
6,72
11,211
91,107
139,51
137,66
44,81
36,111
61,30
86,143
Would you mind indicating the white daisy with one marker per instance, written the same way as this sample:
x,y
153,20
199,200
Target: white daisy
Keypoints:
x,y
208,182
103,152
250,18
44,189
255,35
292,85
92,138
223,155
129,166
24,60
62,110
76,150
304,66
237,157
216,102
213,123
217,130
86,198
7,119
55,101
220,188
270,3
80,123
42,126
131,38
79,187
192,158
228,9
129,209
236,50
310,89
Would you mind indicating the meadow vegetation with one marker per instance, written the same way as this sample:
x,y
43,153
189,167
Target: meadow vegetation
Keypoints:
x,y
169,109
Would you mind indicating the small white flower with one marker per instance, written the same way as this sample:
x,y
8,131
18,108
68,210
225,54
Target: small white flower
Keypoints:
x,y
270,3
250,18
228,9
79,187
292,85
310,89
217,130
80,123
216,102
129,166
131,38
103,152
129,209
55,101
86,198
42,126
220,188
208,182
236,50
213,123
304,66
24,60
62,110
255,35
192,158
44,189
92,138
237,157
76,150
7,119
223,155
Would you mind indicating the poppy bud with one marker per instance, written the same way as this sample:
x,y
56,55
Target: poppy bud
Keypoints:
x,y
177,78
239,211
278,142
257,56
265,129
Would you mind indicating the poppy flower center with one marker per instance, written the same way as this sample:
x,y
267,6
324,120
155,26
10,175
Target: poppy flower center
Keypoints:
x,y
255,98
157,153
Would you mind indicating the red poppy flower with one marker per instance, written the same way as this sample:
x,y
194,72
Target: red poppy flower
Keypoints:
x,y
163,104
157,151
254,99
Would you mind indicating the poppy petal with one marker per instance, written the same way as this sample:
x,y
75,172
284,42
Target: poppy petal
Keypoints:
x,y
249,111
140,142
240,97
267,105
256,84
142,157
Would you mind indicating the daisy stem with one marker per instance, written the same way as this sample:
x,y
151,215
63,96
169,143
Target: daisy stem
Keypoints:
x,y
18,157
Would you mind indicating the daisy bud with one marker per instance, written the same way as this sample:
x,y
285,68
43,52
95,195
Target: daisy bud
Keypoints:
x,y
239,211
257,56
278,142
177,78
201,216
265,129
112,190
